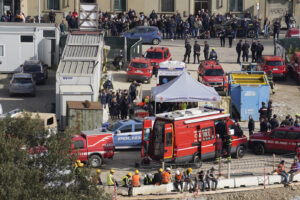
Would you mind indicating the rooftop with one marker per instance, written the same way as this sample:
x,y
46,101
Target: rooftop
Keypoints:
x,y
84,105
84,39
81,52
76,67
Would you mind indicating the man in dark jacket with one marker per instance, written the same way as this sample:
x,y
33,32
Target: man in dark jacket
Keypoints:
x,y
239,50
253,51
230,35
276,27
206,50
269,110
274,122
103,98
188,49
157,180
263,125
245,27
251,125
197,49
52,16
124,107
245,49
263,111
259,50
213,55
132,90
222,37
219,148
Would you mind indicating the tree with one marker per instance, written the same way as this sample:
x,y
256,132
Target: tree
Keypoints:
x,y
45,173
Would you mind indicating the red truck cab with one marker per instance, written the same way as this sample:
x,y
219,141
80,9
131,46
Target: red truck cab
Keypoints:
x,y
295,66
211,73
274,63
139,69
189,136
93,146
157,55
280,140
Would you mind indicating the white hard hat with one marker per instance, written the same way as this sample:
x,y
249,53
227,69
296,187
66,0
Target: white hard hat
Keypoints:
x,y
150,175
168,169
178,172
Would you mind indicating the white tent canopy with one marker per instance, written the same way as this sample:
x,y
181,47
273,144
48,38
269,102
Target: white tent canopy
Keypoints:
x,y
184,89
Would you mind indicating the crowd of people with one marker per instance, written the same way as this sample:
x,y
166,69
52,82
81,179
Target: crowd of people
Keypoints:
x,y
269,121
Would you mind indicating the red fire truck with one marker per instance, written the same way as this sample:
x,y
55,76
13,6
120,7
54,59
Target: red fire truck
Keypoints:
x,y
189,135
93,146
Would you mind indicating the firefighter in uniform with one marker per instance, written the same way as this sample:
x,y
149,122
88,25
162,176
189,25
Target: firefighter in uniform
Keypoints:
x,y
270,79
263,111
127,183
228,144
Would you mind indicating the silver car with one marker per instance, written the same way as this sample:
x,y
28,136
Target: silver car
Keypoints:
x,y
22,83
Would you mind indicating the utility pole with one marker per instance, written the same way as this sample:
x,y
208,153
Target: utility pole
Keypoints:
x,y
39,11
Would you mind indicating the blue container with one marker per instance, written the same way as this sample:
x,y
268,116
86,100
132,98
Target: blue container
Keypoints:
x,y
247,92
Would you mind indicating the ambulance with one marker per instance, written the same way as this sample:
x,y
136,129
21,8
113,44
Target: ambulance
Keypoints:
x,y
169,70
189,136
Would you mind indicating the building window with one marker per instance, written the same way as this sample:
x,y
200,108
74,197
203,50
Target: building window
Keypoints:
x,y
26,38
167,5
52,4
120,5
201,4
1,50
236,5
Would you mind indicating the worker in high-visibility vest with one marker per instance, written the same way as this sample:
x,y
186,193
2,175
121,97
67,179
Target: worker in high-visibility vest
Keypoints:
x,y
178,181
96,179
126,182
281,171
110,180
188,179
295,169
136,179
166,177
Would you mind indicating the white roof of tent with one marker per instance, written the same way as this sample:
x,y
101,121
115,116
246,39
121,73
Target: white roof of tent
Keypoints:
x,y
184,89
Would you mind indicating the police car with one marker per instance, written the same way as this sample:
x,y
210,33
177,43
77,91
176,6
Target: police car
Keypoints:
x,y
169,70
127,134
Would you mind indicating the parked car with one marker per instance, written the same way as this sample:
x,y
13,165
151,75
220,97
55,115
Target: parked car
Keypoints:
x,y
149,34
139,69
22,83
274,63
37,69
127,133
281,140
293,32
157,55
294,66
211,73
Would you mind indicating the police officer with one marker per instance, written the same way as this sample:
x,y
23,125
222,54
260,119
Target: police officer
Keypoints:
x,y
197,49
239,50
253,51
228,144
133,91
270,79
213,55
222,37
230,35
263,111
188,49
245,49
259,50
269,110
206,50
245,27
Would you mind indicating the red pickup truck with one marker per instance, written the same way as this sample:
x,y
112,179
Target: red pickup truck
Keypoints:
x,y
276,64
93,146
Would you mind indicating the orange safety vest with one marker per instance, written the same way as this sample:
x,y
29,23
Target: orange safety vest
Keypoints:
x,y
135,180
178,177
166,178
280,168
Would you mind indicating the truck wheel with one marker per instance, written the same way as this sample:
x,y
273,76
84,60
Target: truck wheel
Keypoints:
x,y
240,152
95,161
197,161
259,149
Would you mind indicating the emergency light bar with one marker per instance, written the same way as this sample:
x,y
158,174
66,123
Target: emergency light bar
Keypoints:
x,y
206,118
214,108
